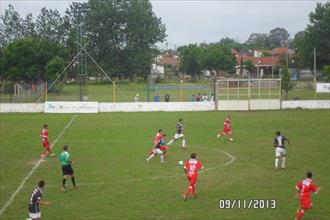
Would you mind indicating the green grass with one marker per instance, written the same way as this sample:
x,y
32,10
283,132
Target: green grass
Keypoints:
x,y
116,182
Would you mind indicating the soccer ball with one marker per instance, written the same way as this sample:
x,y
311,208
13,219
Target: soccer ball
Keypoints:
x,y
180,163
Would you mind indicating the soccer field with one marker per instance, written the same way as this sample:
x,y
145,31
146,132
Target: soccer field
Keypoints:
x,y
116,182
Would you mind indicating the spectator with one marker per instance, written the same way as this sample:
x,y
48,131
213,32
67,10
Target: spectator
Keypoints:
x,y
193,98
136,98
205,98
212,97
167,97
156,98
198,97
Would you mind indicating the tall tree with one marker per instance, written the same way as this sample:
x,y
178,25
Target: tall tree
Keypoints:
x,y
259,41
11,26
317,34
49,24
128,29
278,37
26,59
190,60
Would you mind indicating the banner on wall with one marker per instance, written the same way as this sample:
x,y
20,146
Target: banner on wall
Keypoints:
x,y
71,107
323,87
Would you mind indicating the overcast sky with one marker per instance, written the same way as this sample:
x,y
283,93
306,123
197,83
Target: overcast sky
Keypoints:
x,y
199,21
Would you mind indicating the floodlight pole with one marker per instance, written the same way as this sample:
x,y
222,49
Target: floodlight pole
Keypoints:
x,y
314,78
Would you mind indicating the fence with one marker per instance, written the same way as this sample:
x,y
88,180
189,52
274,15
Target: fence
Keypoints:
x,y
103,90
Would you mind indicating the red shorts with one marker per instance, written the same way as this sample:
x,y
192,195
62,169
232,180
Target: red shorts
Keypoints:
x,y
305,203
226,130
192,180
45,144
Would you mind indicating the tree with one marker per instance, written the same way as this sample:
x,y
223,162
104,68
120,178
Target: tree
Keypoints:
x,y
10,26
49,24
54,67
26,59
259,41
129,30
286,83
190,60
278,37
217,57
326,72
249,65
317,34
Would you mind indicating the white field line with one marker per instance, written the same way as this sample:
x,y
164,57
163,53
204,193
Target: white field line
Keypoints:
x,y
232,159
14,194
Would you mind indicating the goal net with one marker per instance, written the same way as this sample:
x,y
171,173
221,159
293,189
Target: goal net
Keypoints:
x,y
247,89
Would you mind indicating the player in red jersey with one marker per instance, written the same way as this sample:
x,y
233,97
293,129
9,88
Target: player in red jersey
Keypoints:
x,y
157,139
226,129
45,142
304,189
159,149
191,168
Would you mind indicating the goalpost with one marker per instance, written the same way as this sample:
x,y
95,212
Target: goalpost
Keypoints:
x,y
248,90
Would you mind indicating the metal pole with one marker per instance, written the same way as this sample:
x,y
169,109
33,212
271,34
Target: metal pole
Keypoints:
x,y
114,90
148,88
272,64
314,73
46,92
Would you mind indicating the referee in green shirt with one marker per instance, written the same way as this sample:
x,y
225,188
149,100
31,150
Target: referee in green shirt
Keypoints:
x,y
66,167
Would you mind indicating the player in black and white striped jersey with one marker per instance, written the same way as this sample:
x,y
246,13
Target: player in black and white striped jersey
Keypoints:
x,y
280,149
35,200
179,134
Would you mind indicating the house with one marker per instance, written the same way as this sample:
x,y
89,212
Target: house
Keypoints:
x,y
263,61
157,68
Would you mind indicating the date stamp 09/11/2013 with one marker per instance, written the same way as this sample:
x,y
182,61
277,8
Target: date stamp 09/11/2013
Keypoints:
x,y
247,204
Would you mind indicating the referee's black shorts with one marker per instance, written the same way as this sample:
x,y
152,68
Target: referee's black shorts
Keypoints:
x,y
67,170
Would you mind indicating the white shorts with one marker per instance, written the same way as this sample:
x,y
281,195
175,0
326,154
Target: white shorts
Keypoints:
x,y
35,215
157,151
177,136
280,151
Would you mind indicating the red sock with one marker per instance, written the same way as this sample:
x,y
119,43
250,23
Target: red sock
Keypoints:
x,y
187,190
194,190
151,152
300,214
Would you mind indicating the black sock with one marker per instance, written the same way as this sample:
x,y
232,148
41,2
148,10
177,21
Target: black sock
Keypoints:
x,y
63,182
73,181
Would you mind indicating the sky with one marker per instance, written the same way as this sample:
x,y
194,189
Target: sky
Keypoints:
x,y
205,21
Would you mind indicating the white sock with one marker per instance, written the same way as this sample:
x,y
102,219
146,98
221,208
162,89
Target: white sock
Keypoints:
x,y
161,157
283,162
171,142
183,143
276,162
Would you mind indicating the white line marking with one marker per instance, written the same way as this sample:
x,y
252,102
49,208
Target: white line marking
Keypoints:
x,y
14,194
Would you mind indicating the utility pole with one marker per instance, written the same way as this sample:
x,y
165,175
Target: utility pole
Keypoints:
x,y
314,73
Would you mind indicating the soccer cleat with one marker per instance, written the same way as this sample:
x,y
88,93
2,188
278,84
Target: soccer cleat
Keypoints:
x,y
52,155
184,197
195,196
147,160
218,135
63,189
75,187
231,139
283,167
275,168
